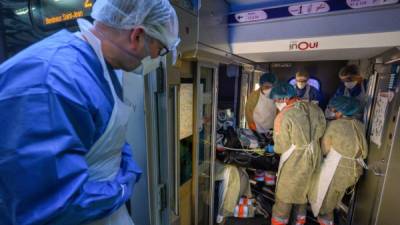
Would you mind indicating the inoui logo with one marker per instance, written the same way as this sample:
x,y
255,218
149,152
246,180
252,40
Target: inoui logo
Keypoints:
x,y
303,45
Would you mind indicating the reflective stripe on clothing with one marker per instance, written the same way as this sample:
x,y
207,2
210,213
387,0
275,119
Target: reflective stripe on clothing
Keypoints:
x,y
279,221
298,126
325,222
300,220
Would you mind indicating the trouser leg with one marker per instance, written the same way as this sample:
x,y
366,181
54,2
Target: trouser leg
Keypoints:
x,y
326,219
280,213
301,213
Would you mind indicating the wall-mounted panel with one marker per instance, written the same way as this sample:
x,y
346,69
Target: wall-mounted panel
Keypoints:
x,y
188,31
354,22
213,24
302,9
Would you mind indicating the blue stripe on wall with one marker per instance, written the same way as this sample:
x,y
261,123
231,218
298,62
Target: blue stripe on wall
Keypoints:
x,y
282,12
266,4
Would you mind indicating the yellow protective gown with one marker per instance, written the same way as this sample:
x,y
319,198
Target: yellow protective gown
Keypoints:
x,y
347,137
251,104
300,125
235,185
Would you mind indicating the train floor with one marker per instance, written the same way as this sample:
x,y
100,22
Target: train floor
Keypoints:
x,y
255,221
247,221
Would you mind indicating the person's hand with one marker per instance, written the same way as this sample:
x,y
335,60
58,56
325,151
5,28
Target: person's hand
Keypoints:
x,y
270,148
127,181
253,126
128,174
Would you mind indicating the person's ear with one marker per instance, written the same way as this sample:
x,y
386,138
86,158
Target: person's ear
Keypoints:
x,y
338,115
136,39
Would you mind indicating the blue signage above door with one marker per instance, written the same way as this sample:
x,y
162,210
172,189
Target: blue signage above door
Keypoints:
x,y
305,8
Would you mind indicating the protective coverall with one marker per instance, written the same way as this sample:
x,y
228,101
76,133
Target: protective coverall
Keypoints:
x,y
235,184
346,137
297,132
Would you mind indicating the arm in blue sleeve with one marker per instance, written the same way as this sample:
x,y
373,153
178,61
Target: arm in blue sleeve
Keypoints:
x,y
129,173
320,96
43,173
339,90
365,83
317,96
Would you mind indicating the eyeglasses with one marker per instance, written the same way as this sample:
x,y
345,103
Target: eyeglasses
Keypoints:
x,y
163,51
349,78
333,110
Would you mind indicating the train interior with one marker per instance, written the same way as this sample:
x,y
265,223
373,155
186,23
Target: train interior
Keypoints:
x,y
235,82
189,129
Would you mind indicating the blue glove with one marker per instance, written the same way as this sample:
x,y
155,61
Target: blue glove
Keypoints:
x,y
269,149
128,174
101,198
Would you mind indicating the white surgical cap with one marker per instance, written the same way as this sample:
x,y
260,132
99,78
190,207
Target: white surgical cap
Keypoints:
x,y
157,17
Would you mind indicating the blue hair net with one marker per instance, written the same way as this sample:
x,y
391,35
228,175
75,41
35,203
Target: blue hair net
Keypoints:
x,y
348,106
267,78
282,90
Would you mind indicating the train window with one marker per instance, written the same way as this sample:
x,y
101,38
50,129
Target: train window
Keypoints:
x,y
53,14
312,81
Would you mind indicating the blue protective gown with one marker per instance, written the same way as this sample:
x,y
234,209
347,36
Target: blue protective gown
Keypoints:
x,y
314,94
354,92
54,104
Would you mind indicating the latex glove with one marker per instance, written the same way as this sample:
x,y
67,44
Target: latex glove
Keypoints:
x,y
128,174
253,126
269,148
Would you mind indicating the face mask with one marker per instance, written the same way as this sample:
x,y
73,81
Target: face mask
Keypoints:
x,y
350,85
301,85
148,65
266,92
280,105
329,114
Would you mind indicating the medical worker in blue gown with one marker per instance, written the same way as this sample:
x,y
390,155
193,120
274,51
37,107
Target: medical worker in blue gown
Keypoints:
x,y
305,91
352,85
63,155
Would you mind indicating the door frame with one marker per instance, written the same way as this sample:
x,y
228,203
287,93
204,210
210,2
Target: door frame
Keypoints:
x,y
195,190
379,157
